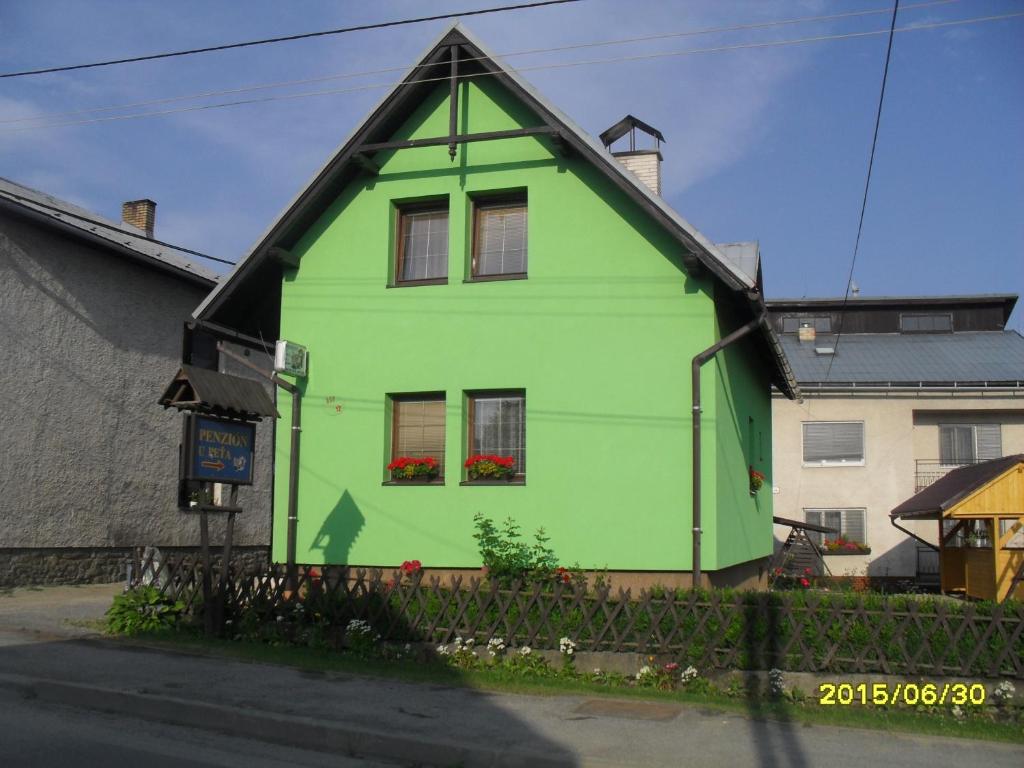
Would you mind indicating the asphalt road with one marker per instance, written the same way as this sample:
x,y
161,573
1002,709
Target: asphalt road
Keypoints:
x,y
37,736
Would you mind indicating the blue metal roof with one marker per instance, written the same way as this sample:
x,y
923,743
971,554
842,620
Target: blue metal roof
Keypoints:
x,y
984,357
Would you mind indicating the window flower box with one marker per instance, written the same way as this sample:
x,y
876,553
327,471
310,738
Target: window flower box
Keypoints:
x,y
490,467
406,469
844,546
756,481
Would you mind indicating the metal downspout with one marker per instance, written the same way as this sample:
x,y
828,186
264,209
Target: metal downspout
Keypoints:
x,y
911,534
698,361
291,576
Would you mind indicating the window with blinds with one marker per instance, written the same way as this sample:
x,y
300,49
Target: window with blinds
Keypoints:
x,y
848,522
422,244
969,443
499,238
833,443
497,425
417,427
926,323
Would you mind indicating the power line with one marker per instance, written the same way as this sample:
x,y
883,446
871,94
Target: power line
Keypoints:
x,y
867,187
286,38
560,65
528,52
113,227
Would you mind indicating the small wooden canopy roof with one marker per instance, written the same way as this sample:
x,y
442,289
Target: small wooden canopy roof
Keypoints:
x,y
219,394
951,489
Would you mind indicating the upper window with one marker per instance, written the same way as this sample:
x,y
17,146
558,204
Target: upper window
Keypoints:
x,y
821,324
833,443
969,443
499,238
417,427
497,426
926,323
847,523
422,252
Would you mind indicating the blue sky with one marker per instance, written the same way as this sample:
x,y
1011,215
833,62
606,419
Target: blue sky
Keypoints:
x,y
763,144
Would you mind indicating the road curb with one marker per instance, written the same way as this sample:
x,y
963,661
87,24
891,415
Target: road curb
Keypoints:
x,y
285,730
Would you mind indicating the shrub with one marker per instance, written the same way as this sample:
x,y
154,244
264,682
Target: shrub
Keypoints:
x,y
507,558
143,609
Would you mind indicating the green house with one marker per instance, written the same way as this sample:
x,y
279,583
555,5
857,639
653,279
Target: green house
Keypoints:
x,y
472,274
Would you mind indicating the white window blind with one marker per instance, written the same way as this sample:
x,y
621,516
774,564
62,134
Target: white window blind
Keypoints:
x,y
833,442
499,427
848,522
969,443
424,245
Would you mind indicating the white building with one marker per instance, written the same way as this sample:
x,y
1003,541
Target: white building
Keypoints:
x,y
905,389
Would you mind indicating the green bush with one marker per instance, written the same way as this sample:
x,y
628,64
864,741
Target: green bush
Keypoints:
x,y
143,609
507,558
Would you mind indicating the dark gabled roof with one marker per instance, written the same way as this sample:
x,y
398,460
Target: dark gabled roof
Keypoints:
x,y
118,237
211,392
951,489
982,358
352,156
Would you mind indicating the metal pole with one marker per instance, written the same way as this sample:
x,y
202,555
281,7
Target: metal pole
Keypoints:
x,y
293,488
698,361
453,104
291,575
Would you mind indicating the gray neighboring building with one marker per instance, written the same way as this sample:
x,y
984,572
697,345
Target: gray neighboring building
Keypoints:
x,y
91,314
911,388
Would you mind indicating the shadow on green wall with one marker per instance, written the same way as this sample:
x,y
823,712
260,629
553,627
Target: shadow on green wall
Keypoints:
x,y
340,530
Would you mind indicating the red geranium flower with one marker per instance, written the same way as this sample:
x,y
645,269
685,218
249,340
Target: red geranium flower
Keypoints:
x,y
804,583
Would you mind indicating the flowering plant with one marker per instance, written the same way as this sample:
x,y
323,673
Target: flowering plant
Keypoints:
x,y
756,480
408,468
843,544
490,467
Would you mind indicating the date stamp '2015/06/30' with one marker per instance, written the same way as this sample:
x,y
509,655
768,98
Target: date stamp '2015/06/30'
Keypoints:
x,y
909,694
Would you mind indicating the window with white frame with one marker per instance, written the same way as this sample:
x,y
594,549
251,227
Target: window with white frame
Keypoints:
x,y
847,523
969,443
1017,540
833,443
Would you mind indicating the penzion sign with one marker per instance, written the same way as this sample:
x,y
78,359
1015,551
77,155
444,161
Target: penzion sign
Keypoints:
x,y
219,451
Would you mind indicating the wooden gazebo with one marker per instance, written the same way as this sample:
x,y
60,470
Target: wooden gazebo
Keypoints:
x,y
980,512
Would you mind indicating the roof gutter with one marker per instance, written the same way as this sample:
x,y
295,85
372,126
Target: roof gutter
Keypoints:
x,y
698,361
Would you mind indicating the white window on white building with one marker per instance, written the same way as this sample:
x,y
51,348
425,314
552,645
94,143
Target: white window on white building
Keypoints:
x,y
848,524
833,443
969,443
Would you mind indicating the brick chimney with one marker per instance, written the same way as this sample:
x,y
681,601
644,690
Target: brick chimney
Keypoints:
x,y
806,332
645,164
140,214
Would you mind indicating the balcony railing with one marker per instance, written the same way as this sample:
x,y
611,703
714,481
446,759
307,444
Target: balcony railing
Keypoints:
x,y
929,470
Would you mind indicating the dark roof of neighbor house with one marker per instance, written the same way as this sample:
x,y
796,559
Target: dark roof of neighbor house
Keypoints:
x,y
982,358
206,391
950,489
1005,301
122,238
351,158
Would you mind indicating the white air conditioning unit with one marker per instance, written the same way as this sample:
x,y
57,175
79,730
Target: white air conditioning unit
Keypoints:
x,y
290,358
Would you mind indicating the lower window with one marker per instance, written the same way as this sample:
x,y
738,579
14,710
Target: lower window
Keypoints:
x,y
848,525
417,427
497,426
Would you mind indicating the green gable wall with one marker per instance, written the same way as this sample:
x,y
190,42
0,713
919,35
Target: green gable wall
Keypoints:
x,y
600,336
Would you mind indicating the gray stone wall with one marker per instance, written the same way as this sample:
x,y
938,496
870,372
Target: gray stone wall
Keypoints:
x,y
93,565
88,460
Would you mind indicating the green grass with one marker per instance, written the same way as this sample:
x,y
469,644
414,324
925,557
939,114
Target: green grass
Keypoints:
x,y
903,720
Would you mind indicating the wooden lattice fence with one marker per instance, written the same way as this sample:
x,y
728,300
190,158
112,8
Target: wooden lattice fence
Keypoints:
x,y
808,631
